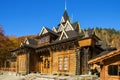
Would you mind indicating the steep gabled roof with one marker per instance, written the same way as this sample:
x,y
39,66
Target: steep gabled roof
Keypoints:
x,y
76,26
65,16
72,34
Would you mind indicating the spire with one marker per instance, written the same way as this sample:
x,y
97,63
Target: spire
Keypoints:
x,y
65,5
65,16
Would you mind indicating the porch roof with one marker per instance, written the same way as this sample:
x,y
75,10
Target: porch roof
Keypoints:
x,y
104,55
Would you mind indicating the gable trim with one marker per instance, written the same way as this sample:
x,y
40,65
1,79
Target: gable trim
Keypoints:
x,y
54,29
42,31
21,44
60,27
69,25
62,19
26,41
63,32
79,27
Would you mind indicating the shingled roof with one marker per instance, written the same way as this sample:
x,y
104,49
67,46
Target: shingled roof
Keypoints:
x,y
72,33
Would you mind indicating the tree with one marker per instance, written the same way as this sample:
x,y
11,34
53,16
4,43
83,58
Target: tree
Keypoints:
x,y
1,30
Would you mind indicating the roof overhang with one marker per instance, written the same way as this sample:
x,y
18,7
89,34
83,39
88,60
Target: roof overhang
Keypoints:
x,y
106,56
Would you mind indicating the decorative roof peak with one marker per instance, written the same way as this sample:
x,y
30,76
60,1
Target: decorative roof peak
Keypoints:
x,y
65,17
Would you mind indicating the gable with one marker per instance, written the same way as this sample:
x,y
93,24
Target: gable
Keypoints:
x,y
63,35
62,20
54,29
21,44
43,31
68,26
61,28
27,42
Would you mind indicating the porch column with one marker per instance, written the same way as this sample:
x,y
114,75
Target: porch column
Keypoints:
x,y
78,72
27,62
86,53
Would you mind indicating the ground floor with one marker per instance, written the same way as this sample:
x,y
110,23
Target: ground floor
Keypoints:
x,y
67,62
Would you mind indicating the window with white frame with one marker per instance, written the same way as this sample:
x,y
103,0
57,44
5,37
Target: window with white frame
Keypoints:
x,y
60,62
63,63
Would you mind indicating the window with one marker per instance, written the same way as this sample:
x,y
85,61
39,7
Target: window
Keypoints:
x,y
114,70
60,61
46,63
66,63
63,63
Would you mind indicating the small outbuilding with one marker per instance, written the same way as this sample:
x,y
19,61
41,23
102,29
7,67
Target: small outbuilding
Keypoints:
x,y
109,62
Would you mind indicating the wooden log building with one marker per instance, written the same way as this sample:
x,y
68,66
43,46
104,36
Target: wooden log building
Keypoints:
x,y
65,49
109,62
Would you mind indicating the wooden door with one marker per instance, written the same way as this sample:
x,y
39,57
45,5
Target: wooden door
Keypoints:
x,y
46,65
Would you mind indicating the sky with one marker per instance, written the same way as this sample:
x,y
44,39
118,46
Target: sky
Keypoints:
x,y
27,17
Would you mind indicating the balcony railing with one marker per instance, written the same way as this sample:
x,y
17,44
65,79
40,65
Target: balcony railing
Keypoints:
x,y
8,69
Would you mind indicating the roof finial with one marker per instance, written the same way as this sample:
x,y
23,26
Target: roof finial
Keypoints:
x,y
65,5
72,17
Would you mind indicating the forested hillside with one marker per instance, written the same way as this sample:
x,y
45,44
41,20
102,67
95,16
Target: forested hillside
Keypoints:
x,y
5,46
109,36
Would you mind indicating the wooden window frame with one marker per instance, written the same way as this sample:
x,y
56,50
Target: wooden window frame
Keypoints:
x,y
63,66
46,63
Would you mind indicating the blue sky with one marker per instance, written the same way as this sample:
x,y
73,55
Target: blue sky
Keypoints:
x,y
27,17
